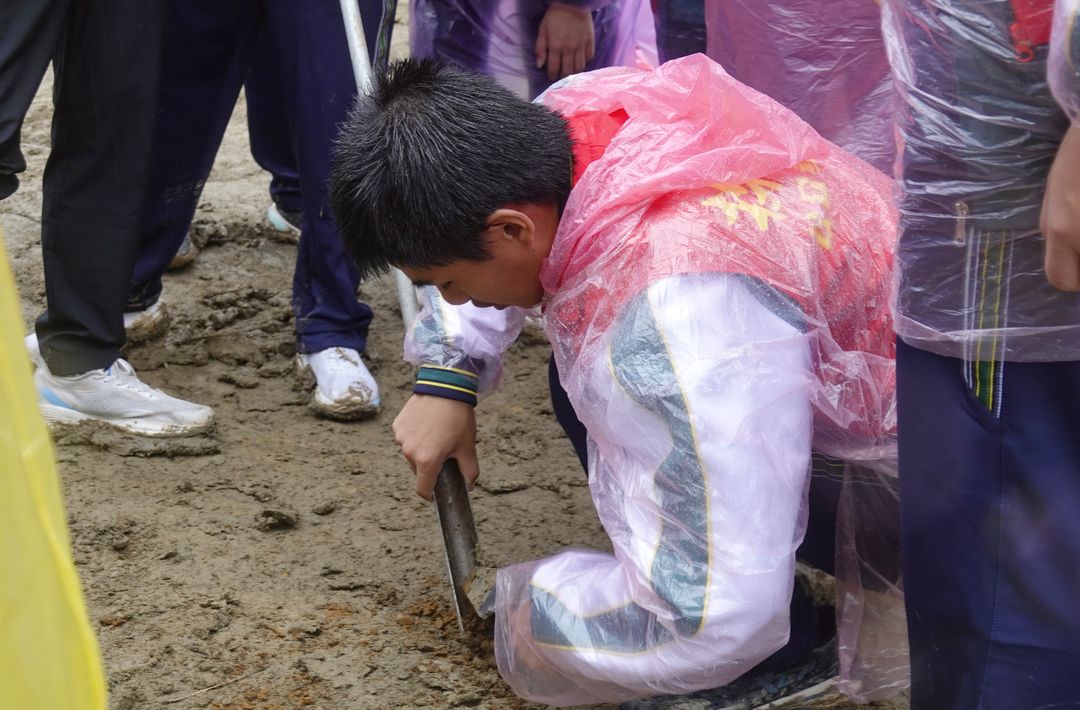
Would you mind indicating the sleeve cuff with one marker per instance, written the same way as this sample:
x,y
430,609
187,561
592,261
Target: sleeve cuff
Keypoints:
x,y
447,382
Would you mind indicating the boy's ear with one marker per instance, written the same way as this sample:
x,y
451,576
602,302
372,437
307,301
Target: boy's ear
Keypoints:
x,y
509,223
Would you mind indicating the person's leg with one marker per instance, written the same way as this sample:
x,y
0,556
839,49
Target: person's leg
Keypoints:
x,y
567,417
991,539
818,545
29,32
208,47
268,120
107,70
319,88
680,28
268,126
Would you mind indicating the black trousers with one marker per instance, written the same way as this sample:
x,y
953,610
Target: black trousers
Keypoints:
x,y
106,57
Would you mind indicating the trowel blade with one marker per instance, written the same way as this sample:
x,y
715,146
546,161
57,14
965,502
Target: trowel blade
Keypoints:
x,y
458,533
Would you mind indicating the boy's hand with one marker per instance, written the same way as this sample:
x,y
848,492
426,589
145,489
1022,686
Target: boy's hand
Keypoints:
x,y
430,430
1060,219
566,42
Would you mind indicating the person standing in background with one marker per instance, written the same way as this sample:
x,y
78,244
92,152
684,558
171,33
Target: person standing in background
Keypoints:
x,y
106,55
988,355
304,79
525,45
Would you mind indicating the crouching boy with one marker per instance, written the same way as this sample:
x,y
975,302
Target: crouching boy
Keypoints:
x,y
711,274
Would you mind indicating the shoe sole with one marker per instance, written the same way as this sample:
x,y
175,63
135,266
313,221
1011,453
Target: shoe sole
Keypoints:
x,y
822,696
59,419
342,411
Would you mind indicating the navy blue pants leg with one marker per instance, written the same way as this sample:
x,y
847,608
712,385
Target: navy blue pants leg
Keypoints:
x,y
990,534
319,89
680,28
268,127
208,47
268,120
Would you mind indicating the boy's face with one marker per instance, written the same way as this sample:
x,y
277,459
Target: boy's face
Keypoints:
x,y
519,238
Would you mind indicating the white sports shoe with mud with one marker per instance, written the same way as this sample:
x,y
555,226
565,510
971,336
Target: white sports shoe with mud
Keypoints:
x,y
344,389
114,396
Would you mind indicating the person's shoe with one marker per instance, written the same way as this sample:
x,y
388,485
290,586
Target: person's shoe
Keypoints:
x,y
284,220
147,324
811,684
114,396
33,350
185,255
344,389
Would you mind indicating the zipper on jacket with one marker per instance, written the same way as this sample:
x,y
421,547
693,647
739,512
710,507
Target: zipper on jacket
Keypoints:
x,y
960,235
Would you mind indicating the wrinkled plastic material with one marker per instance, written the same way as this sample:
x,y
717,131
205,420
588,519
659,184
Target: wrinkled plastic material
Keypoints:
x,y
463,337
48,653
979,130
497,37
716,299
1064,73
872,624
823,59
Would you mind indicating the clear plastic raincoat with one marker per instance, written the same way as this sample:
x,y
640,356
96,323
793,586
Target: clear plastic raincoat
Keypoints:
x,y
823,59
716,299
979,129
497,37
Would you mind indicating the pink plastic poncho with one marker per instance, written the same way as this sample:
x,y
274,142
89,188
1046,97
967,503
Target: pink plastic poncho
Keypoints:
x,y
823,59
716,302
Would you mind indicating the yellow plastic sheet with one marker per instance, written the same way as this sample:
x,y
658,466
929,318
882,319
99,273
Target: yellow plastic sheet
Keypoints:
x,y
49,657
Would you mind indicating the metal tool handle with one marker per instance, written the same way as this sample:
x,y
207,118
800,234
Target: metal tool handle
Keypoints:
x,y
361,65
458,528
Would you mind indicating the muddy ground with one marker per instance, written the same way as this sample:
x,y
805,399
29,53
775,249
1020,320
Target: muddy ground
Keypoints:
x,y
283,561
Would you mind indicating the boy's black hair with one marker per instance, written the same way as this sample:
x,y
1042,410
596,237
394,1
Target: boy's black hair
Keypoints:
x,y
429,155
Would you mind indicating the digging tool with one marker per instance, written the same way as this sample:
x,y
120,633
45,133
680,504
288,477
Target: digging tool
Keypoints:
x,y
451,495
472,581
458,529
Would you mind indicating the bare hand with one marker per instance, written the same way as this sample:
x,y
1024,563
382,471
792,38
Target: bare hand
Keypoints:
x,y
1060,219
430,430
567,40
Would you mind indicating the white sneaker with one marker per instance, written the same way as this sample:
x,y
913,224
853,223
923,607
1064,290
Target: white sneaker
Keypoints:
x,y
344,389
147,324
33,350
114,396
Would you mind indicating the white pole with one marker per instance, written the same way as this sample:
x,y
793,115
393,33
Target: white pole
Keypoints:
x,y
358,51
361,65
